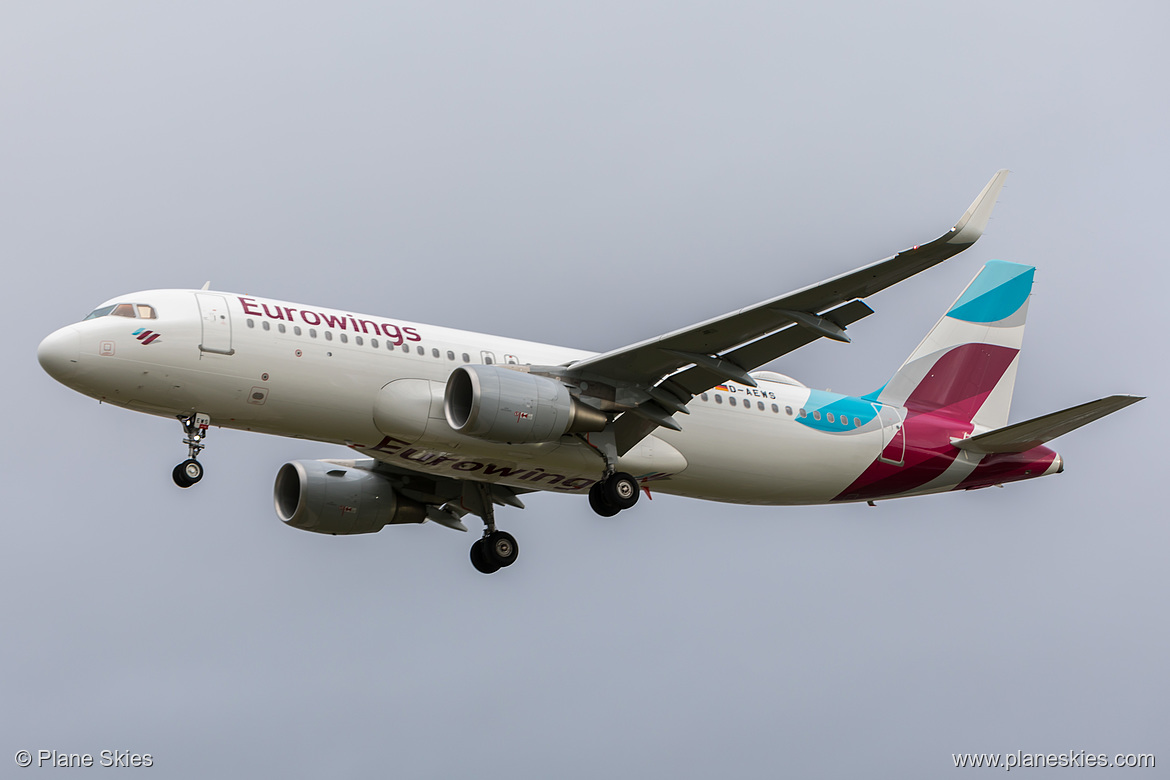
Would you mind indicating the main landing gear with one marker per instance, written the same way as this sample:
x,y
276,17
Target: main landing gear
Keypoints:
x,y
494,551
617,490
190,471
497,549
613,493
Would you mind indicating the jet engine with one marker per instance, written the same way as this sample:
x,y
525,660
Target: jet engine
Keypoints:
x,y
333,498
502,404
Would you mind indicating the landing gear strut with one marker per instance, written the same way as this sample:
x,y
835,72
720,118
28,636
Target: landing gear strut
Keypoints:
x,y
190,471
497,549
613,493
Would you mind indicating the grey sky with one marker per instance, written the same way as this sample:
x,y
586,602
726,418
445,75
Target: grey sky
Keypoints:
x,y
586,174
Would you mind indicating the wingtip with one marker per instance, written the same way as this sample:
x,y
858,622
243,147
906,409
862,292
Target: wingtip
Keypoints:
x,y
974,220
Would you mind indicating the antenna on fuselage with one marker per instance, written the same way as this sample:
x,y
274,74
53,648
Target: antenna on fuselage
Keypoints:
x,y
206,285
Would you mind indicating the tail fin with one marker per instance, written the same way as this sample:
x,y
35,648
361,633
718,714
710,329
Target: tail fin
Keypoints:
x,y
966,365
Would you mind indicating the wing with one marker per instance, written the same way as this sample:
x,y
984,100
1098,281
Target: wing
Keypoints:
x,y
652,380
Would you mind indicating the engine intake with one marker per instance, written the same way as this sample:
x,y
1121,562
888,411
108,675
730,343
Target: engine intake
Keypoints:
x,y
500,404
333,498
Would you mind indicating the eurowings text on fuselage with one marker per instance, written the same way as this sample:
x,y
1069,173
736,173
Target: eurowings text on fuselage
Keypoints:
x,y
449,422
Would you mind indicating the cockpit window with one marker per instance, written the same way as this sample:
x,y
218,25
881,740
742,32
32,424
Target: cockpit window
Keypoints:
x,y
103,311
140,311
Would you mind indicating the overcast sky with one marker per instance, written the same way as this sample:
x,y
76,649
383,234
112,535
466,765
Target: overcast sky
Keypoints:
x,y
587,174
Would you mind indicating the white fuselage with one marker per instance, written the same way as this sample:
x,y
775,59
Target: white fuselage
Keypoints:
x,y
376,386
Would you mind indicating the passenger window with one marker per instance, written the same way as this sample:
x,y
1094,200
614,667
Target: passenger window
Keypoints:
x,y
146,312
265,325
344,339
450,355
760,404
434,353
856,423
775,409
356,339
312,333
788,410
329,335
703,396
374,343
123,310
817,415
731,400
296,330
421,351
280,327
251,324
829,416
466,358
803,413
718,398
390,345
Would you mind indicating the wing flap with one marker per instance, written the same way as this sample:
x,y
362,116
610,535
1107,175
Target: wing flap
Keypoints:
x,y
757,353
1040,430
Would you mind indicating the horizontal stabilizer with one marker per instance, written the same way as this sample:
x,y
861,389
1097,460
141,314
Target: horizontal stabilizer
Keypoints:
x,y
1032,433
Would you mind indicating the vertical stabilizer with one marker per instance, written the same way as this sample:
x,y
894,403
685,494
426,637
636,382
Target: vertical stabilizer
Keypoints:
x,y
966,366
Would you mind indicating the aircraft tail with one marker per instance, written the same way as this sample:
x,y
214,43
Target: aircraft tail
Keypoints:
x,y
966,366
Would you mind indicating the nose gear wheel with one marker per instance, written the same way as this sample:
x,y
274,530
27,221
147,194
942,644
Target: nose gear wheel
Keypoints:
x,y
187,473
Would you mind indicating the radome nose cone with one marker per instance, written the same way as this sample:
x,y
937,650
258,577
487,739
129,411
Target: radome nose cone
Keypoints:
x,y
59,353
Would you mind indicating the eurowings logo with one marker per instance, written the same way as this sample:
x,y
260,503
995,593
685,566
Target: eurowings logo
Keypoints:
x,y
145,336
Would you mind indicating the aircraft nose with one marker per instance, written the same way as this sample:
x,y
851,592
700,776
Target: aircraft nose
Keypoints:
x,y
59,353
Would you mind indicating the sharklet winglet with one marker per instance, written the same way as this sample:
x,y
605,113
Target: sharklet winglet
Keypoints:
x,y
974,220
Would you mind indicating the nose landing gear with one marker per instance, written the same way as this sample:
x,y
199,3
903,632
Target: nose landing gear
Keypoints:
x,y
190,471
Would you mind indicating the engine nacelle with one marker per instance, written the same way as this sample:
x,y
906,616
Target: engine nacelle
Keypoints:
x,y
332,498
500,404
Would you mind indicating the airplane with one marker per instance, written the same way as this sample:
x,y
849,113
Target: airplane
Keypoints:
x,y
446,423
